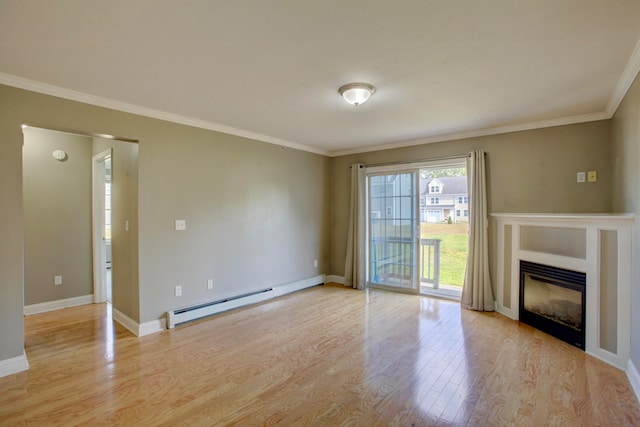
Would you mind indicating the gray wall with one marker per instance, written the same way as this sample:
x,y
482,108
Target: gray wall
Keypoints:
x,y
57,216
625,136
531,171
256,216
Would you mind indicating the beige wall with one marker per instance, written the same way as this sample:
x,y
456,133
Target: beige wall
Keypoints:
x,y
256,215
531,171
11,238
625,136
57,216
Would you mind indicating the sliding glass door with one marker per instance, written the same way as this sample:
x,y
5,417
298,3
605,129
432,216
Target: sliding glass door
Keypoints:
x,y
418,222
393,230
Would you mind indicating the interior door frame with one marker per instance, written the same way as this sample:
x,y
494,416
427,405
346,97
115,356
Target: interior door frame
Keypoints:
x,y
98,225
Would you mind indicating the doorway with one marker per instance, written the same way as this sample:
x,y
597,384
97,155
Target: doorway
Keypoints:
x,y
101,212
417,227
80,224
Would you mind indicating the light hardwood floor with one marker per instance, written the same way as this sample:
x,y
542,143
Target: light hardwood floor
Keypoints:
x,y
326,356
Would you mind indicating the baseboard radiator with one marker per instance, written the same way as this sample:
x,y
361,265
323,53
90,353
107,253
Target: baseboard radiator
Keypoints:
x,y
187,314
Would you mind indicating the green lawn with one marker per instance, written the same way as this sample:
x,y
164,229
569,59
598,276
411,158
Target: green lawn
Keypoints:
x,y
453,249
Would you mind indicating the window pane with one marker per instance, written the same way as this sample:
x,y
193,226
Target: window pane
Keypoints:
x,y
393,226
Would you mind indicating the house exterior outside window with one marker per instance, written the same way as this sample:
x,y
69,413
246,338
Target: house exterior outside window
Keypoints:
x,y
451,202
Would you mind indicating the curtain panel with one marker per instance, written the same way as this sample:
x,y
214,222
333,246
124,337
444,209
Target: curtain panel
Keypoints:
x,y
354,270
477,293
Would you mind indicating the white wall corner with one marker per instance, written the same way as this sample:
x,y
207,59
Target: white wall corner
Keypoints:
x,y
14,365
130,324
634,378
335,279
44,307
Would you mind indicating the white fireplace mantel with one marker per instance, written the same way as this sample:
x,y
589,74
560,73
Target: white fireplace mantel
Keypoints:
x,y
596,244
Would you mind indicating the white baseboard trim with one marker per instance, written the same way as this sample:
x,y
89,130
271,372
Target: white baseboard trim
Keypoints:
x,y
175,317
634,378
43,307
130,324
148,328
14,365
335,279
138,329
297,286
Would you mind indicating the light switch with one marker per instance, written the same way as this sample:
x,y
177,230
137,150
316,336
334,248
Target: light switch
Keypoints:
x,y
581,177
181,224
592,176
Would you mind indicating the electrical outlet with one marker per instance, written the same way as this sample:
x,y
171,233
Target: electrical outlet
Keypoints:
x,y
210,284
315,263
57,280
178,291
592,176
181,224
581,177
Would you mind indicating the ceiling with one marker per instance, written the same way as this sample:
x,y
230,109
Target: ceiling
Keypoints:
x,y
271,69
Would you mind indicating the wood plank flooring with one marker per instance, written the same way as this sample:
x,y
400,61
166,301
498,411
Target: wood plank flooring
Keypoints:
x,y
326,356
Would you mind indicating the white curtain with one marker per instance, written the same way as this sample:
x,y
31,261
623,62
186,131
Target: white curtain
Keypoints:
x,y
476,292
354,269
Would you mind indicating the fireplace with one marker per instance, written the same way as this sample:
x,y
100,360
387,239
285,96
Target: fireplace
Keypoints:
x,y
598,245
553,300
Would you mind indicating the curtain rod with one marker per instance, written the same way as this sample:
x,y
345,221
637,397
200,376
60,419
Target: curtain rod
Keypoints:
x,y
431,159
403,162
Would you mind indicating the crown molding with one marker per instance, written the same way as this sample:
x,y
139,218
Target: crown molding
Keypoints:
x,y
626,80
583,118
72,95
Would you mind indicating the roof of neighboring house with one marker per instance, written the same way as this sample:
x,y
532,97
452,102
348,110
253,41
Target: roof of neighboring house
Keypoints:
x,y
450,185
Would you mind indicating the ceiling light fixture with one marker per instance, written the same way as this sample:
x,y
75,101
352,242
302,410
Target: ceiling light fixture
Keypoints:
x,y
356,93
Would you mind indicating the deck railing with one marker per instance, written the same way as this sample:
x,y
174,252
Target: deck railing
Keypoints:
x,y
392,260
430,253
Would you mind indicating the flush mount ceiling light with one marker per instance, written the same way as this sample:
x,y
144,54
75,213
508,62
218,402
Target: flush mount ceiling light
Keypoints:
x,y
59,155
356,93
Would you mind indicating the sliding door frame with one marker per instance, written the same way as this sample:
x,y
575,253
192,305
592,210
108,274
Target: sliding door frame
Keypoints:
x,y
399,168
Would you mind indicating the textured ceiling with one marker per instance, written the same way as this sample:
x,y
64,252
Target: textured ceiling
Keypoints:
x,y
270,69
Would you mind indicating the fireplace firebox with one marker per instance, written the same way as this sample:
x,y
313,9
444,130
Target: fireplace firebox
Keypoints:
x,y
553,300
